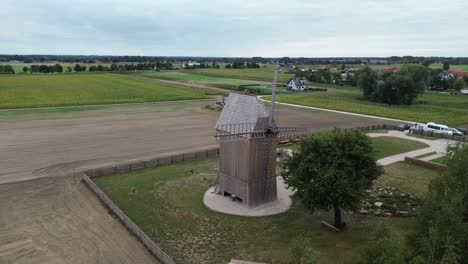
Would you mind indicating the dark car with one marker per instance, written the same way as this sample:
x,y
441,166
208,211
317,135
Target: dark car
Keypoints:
x,y
404,127
463,130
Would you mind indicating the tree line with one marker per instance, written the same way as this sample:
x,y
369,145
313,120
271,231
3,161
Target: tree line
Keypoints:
x,y
58,68
242,65
6,69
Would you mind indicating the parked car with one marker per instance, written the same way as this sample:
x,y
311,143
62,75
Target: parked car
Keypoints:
x,y
404,126
438,128
463,130
456,132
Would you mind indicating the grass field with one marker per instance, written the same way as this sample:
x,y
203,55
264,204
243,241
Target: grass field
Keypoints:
x,y
168,206
264,74
429,107
389,146
25,91
189,77
407,177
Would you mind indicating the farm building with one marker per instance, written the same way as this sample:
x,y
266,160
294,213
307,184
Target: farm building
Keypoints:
x,y
460,74
297,84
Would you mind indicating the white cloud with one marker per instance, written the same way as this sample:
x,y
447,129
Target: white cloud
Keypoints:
x,y
235,28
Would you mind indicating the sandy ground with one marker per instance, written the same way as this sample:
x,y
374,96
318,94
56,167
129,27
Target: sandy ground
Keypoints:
x,y
48,216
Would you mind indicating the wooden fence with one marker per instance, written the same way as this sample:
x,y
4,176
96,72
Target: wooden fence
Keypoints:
x,y
152,163
154,248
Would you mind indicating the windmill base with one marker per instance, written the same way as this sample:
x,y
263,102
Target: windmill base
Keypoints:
x,y
225,204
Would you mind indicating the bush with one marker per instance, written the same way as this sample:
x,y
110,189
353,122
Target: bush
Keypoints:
x,y
301,251
442,229
387,248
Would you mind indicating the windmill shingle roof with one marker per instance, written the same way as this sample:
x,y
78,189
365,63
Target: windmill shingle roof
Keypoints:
x,y
240,109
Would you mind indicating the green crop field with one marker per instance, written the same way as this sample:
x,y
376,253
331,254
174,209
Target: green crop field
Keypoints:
x,y
24,91
429,107
167,205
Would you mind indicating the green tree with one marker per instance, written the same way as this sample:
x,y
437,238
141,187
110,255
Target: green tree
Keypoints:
x,y
446,66
26,69
368,81
441,234
69,69
458,85
77,68
332,170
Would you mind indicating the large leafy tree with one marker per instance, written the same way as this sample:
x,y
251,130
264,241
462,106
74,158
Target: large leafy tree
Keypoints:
x,y
368,81
332,170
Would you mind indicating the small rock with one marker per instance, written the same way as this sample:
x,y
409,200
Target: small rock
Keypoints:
x,y
388,214
378,204
403,194
364,212
377,213
402,213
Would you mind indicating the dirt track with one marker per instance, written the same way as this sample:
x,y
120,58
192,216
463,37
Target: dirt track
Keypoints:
x,y
48,216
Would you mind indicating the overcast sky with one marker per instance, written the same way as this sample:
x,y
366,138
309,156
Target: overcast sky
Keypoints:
x,y
269,28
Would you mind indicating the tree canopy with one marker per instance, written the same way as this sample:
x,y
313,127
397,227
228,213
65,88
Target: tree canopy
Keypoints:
x,y
368,81
332,170
442,223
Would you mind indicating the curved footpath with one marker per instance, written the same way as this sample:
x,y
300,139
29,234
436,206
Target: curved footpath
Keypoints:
x,y
438,145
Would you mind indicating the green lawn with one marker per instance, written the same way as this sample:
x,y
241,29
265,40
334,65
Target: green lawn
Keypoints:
x,y
441,160
168,206
24,91
389,146
429,107
407,177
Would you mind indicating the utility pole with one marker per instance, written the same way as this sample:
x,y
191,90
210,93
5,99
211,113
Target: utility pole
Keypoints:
x,y
273,96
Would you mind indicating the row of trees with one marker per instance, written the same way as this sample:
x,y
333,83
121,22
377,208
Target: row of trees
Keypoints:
x,y
242,65
6,69
95,68
400,88
326,76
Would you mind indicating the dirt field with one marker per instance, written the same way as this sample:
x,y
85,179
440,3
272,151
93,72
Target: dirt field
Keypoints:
x,y
48,216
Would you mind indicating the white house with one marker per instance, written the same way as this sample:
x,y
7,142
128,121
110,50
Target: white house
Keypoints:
x,y
297,84
464,91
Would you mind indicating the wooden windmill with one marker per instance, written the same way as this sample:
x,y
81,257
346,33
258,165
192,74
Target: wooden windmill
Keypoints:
x,y
248,137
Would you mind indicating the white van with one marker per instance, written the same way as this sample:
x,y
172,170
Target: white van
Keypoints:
x,y
438,128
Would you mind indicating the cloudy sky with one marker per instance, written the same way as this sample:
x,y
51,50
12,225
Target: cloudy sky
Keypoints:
x,y
269,28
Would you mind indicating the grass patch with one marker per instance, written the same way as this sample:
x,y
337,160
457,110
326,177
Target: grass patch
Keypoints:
x,y
429,107
389,146
425,155
407,177
61,110
441,160
24,91
168,206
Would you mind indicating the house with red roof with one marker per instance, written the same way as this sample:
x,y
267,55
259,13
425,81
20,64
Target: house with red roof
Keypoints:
x,y
460,74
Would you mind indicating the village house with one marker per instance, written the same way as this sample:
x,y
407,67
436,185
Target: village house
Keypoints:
x,y
297,84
